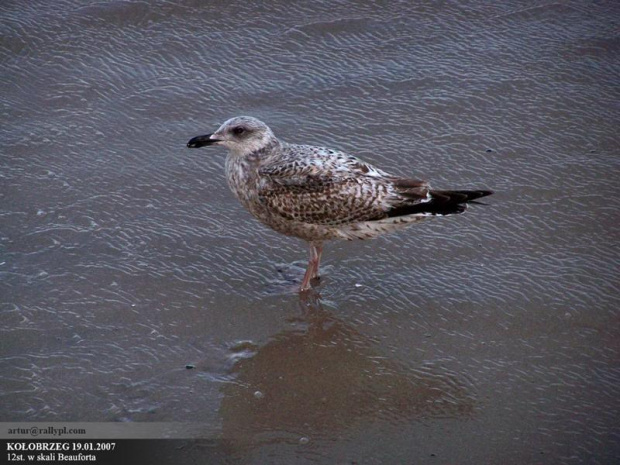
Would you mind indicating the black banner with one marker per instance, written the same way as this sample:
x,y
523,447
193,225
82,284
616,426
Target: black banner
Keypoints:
x,y
112,452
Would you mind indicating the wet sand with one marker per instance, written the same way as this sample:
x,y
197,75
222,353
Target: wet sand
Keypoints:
x,y
489,337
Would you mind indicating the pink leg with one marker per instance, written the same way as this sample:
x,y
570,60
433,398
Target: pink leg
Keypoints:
x,y
313,265
318,250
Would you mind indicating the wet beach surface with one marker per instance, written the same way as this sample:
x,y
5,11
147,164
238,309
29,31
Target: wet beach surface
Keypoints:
x,y
135,288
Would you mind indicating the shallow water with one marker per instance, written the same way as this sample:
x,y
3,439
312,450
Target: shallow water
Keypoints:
x,y
490,337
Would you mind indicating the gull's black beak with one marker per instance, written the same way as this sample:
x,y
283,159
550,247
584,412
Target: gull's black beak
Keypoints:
x,y
201,141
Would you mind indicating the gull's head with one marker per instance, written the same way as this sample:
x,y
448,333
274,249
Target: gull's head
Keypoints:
x,y
241,135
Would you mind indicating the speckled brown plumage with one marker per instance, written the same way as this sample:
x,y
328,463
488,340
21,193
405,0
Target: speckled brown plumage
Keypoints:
x,y
319,194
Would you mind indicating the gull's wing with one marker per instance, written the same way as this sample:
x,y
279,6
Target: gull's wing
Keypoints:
x,y
325,187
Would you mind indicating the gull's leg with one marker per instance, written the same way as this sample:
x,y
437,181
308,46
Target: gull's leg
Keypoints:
x,y
313,265
318,250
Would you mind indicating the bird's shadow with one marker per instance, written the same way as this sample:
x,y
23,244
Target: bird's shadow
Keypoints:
x,y
321,376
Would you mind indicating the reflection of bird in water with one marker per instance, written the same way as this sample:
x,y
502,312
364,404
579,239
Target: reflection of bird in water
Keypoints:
x,y
324,377
319,194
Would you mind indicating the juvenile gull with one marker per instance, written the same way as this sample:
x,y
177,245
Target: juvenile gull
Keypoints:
x,y
319,194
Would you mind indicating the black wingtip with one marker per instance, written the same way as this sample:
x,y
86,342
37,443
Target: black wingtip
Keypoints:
x,y
464,196
442,203
478,194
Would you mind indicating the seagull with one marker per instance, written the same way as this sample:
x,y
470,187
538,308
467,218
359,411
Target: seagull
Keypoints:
x,y
319,194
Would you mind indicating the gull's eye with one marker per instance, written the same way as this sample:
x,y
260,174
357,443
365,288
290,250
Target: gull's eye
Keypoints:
x,y
238,130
